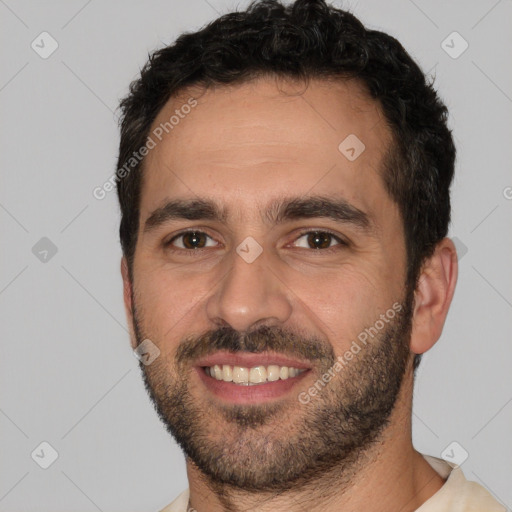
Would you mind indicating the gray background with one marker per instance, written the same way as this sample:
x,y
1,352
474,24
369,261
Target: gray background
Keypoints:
x,y
68,376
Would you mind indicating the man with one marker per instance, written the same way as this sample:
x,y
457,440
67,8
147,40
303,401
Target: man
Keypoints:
x,y
284,181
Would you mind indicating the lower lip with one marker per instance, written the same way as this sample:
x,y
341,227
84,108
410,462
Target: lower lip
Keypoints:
x,y
243,394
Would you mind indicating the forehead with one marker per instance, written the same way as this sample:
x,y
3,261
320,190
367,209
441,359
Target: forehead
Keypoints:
x,y
267,138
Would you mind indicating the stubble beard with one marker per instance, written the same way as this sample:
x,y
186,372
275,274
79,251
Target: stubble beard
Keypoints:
x,y
283,444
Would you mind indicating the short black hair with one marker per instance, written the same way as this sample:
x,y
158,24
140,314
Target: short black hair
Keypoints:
x,y
307,39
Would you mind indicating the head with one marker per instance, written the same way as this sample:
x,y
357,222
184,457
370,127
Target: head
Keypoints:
x,y
294,191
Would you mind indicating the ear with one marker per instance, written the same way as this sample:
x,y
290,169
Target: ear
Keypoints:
x,y
433,296
127,297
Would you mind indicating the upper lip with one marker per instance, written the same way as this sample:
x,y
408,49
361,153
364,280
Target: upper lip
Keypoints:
x,y
250,360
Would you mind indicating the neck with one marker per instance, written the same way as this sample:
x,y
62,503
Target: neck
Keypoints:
x,y
389,476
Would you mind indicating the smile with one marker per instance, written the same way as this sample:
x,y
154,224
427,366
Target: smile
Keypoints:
x,y
251,376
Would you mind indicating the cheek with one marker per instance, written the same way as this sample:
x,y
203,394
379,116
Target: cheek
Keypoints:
x,y
165,303
341,303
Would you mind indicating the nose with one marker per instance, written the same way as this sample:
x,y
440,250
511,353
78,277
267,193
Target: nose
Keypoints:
x,y
251,294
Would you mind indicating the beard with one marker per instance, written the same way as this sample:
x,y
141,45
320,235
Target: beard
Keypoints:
x,y
283,444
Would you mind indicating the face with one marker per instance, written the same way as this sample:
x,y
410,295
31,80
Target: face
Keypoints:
x,y
267,254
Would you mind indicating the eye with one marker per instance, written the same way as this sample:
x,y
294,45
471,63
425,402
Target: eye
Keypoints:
x,y
318,240
191,240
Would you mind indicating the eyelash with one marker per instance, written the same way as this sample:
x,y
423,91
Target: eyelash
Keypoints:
x,y
191,252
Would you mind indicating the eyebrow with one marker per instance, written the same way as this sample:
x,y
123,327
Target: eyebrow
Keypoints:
x,y
277,212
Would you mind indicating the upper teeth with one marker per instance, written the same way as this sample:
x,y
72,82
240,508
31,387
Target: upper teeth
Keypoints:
x,y
255,375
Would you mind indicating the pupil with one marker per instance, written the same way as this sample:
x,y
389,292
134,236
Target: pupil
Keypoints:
x,y
319,240
193,240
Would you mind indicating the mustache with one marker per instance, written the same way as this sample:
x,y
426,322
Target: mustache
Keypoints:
x,y
263,339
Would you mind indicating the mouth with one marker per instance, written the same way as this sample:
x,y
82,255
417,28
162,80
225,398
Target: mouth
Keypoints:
x,y
249,377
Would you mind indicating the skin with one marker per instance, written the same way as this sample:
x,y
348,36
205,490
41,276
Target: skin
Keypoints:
x,y
244,146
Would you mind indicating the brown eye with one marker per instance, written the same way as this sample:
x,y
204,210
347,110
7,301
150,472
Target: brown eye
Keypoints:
x,y
318,240
194,240
190,240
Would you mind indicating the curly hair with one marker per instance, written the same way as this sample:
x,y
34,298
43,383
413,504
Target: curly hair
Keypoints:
x,y
307,39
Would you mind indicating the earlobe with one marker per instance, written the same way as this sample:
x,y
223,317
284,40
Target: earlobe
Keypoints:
x,y
433,296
